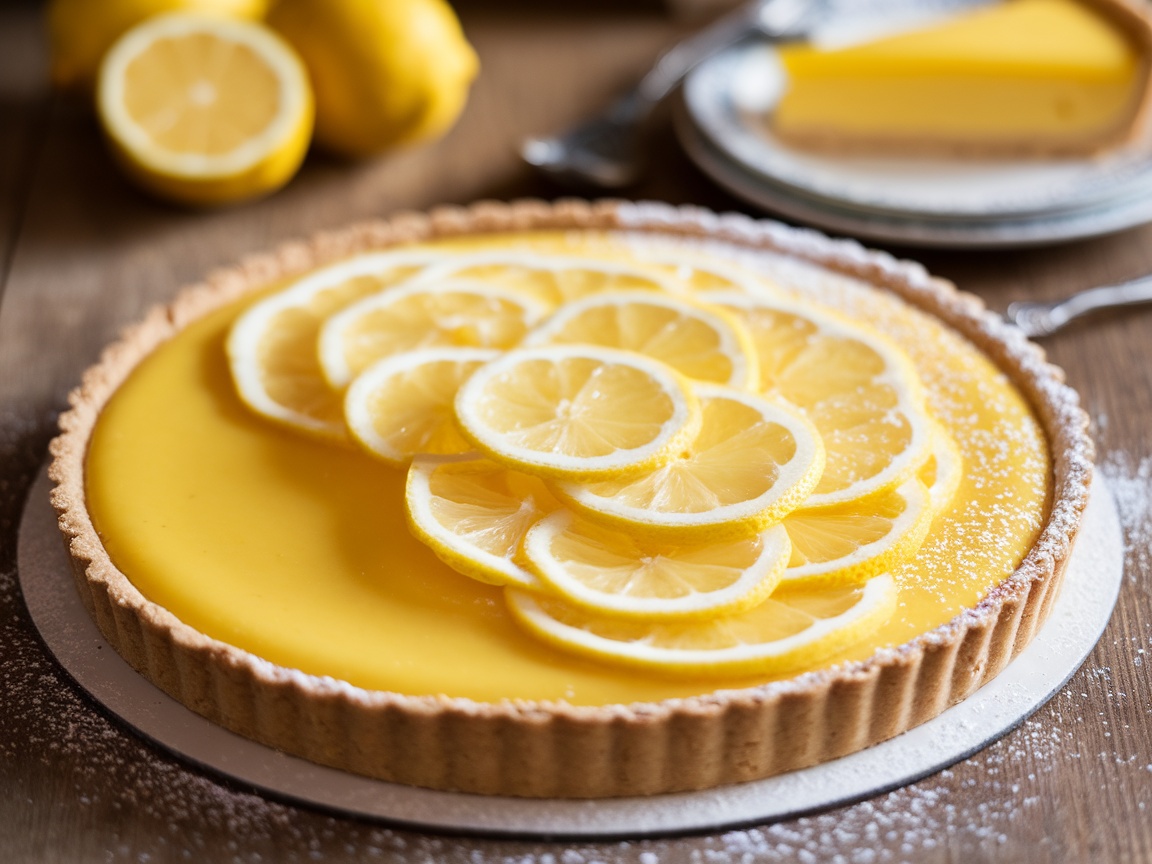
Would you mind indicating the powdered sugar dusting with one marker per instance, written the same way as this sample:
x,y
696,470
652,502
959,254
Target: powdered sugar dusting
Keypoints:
x,y
1131,483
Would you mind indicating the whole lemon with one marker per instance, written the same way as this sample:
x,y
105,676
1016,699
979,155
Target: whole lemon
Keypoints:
x,y
384,72
81,31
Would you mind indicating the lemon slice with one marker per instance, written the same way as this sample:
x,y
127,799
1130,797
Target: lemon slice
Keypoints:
x,y
943,470
705,343
791,630
854,541
751,463
577,411
704,275
553,280
205,109
611,573
859,390
403,405
474,513
448,313
272,345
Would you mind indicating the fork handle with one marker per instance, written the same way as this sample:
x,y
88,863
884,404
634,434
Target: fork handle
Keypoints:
x,y
675,63
1056,315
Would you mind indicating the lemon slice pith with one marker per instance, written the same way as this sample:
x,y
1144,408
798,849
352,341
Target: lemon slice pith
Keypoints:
x,y
610,572
205,109
789,631
272,345
402,405
704,343
577,411
751,463
473,514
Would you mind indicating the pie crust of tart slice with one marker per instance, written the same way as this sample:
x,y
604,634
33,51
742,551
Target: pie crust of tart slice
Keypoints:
x,y
706,734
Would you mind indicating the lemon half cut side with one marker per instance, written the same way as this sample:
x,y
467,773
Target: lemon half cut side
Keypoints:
x,y
204,109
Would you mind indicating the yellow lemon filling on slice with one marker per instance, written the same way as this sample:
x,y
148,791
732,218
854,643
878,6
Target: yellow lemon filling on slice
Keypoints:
x,y
297,548
1020,76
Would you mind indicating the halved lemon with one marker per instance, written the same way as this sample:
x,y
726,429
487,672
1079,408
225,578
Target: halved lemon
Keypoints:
x,y
553,280
702,342
420,315
205,109
474,514
403,405
272,345
857,388
751,463
856,540
791,630
577,411
612,573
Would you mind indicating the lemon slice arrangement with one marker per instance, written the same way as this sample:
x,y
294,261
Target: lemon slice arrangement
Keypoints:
x,y
683,470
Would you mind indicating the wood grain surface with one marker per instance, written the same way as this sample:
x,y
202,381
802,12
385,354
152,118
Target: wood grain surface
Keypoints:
x,y
82,254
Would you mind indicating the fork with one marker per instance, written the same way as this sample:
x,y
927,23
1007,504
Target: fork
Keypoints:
x,y
1038,319
606,151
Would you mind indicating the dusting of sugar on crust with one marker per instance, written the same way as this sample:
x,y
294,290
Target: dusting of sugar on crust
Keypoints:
x,y
224,683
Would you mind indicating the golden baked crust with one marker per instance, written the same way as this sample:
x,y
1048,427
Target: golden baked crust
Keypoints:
x,y
554,749
1132,17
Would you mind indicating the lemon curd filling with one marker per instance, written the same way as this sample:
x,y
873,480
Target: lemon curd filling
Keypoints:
x,y
296,549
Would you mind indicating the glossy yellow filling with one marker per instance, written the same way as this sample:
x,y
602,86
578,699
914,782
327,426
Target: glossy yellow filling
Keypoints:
x,y
1017,71
297,551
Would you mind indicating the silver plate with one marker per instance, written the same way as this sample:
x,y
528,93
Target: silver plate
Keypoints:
x,y
1078,618
1132,208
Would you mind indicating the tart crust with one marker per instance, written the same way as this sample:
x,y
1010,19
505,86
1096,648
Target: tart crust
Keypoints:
x,y
543,749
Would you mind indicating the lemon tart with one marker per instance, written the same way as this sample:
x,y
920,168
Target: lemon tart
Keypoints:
x,y
453,609
1019,77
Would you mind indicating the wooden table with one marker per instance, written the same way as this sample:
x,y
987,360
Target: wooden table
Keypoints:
x,y
82,254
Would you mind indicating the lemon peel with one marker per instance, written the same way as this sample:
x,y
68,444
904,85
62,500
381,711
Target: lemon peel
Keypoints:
x,y
385,73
